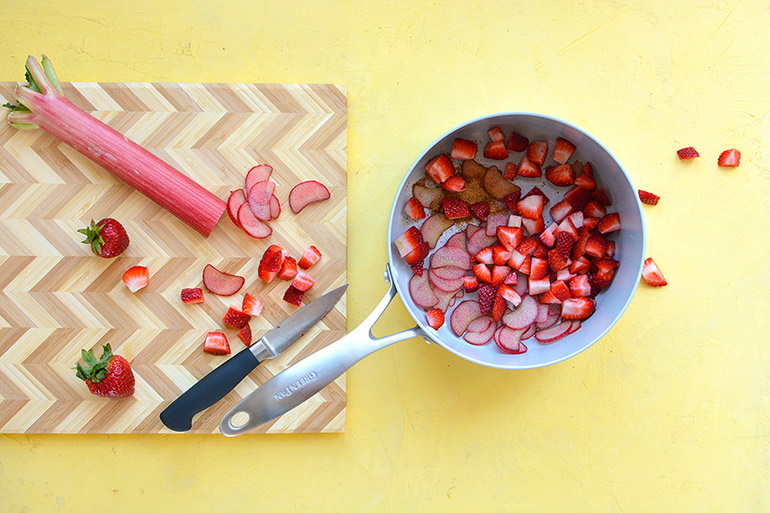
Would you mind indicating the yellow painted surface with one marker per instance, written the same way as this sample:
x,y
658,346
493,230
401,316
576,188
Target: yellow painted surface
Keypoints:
x,y
670,412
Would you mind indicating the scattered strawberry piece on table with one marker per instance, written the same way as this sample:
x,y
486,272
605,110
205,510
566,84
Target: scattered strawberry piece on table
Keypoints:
x,y
302,282
293,296
136,278
309,257
216,343
729,158
648,197
107,238
245,335
252,305
652,275
192,296
687,153
109,376
271,263
288,269
235,318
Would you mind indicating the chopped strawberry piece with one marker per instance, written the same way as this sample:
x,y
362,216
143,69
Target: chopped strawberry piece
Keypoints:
x,y
417,256
511,200
586,182
454,184
648,197
588,169
550,298
435,318
600,195
577,308
560,175
536,190
566,226
531,207
418,268
216,343
576,218
514,221
293,296
560,290
563,150
288,269
564,274
496,150
311,256
251,305
192,296
580,265
509,294
561,210
486,297
610,251
609,223
440,168
510,171
463,149
455,208
538,268
512,279
564,243
480,210
538,286
595,246
516,260
526,265
606,264
687,153
517,142
136,278
235,318
495,134
482,272
547,237
536,152
500,254
414,209
498,307
540,252
470,283
528,169
271,263
499,273
578,197
594,209
599,281
652,274
580,246
485,256
527,246
579,286
245,335
534,226
302,282
590,222
556,261
408,241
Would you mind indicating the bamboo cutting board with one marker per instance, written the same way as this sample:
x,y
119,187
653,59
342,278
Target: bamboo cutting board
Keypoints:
x,y
57,298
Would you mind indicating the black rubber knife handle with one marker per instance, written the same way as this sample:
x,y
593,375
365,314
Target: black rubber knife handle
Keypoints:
x,y
213,387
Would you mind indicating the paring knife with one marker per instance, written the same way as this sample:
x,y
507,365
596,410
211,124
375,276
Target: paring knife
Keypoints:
x,y
219,382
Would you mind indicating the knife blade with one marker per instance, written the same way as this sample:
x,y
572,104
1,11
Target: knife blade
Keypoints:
x,y
219,382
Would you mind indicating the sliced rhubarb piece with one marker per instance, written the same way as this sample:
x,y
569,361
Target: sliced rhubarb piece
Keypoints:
x,y
259,199
480,331
551,319
444,299
305,193
421,292
457,241
434,227
221,283
524,315
251,225
529,332
192,296
445,285
275,207
429,197
234,202
478,241
509,340
472,169
495,220
549,335
463,315
574,326
497,186
256,174
216,343
235,318
449,256
449,272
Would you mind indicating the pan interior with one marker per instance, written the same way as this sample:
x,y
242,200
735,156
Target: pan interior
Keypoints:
x,y
630,240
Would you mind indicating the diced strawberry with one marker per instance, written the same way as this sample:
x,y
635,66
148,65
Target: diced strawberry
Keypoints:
x,y
288,269
414,209
313,255
498,307
560,290
463,149
409,241
486,297
648,197
588,169
435,318
251,305
482,272
595,246
652,275
235,318
418,268
540,252
536,191
600,195
499,273
564,243
576,218
485,256
245,335
563,150
606,264
590,222
562,174
687,153
500,255
610,251
550,298
609,223
564,274
527,246
580,246
516,260
511,200
293,296
480,210
510,171
579,286
536,152
528,169
534,226
136,278
512,279
192,296
271,263
510,295
594,209
566,226
495,134
302,282
496,150
586,182
470,283
539,286
538,268
531,207
561,210
526,265
455,208
578,197
417,256
577,308
454,184
556,261
216,343
517,142
439,168
547,237
580,265
514,221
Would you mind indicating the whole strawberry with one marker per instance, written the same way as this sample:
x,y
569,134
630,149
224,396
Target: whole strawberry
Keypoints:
x,y
109,376
107,238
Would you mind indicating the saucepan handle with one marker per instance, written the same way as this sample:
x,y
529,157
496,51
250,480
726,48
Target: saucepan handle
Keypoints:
x,y
304,379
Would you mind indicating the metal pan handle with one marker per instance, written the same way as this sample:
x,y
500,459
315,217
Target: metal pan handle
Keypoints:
x,y
304,379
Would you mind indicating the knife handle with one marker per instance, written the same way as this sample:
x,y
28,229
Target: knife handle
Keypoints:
x,y
213,387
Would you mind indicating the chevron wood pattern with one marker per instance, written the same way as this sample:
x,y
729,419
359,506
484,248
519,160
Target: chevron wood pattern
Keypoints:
x,y
56,298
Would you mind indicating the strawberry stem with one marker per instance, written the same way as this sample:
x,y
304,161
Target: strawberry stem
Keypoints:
x,y
95,369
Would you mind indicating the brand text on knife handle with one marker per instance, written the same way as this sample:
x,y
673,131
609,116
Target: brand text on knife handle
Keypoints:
x,y
301,382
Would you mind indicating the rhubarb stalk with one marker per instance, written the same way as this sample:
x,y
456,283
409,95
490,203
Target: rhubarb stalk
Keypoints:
x,y
42,105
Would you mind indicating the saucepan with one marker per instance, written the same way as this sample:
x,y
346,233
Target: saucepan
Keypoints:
x,y
304,379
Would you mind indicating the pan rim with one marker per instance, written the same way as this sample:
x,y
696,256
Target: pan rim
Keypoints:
x,y
429,332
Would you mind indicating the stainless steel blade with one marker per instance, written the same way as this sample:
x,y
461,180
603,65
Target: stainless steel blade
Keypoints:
x,y
275,341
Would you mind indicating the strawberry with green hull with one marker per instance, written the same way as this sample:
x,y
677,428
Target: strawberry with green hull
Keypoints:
x,y
107,238
109,376
42,105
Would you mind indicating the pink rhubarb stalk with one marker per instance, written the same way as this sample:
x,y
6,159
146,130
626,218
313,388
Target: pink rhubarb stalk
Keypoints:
x,y
42,105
